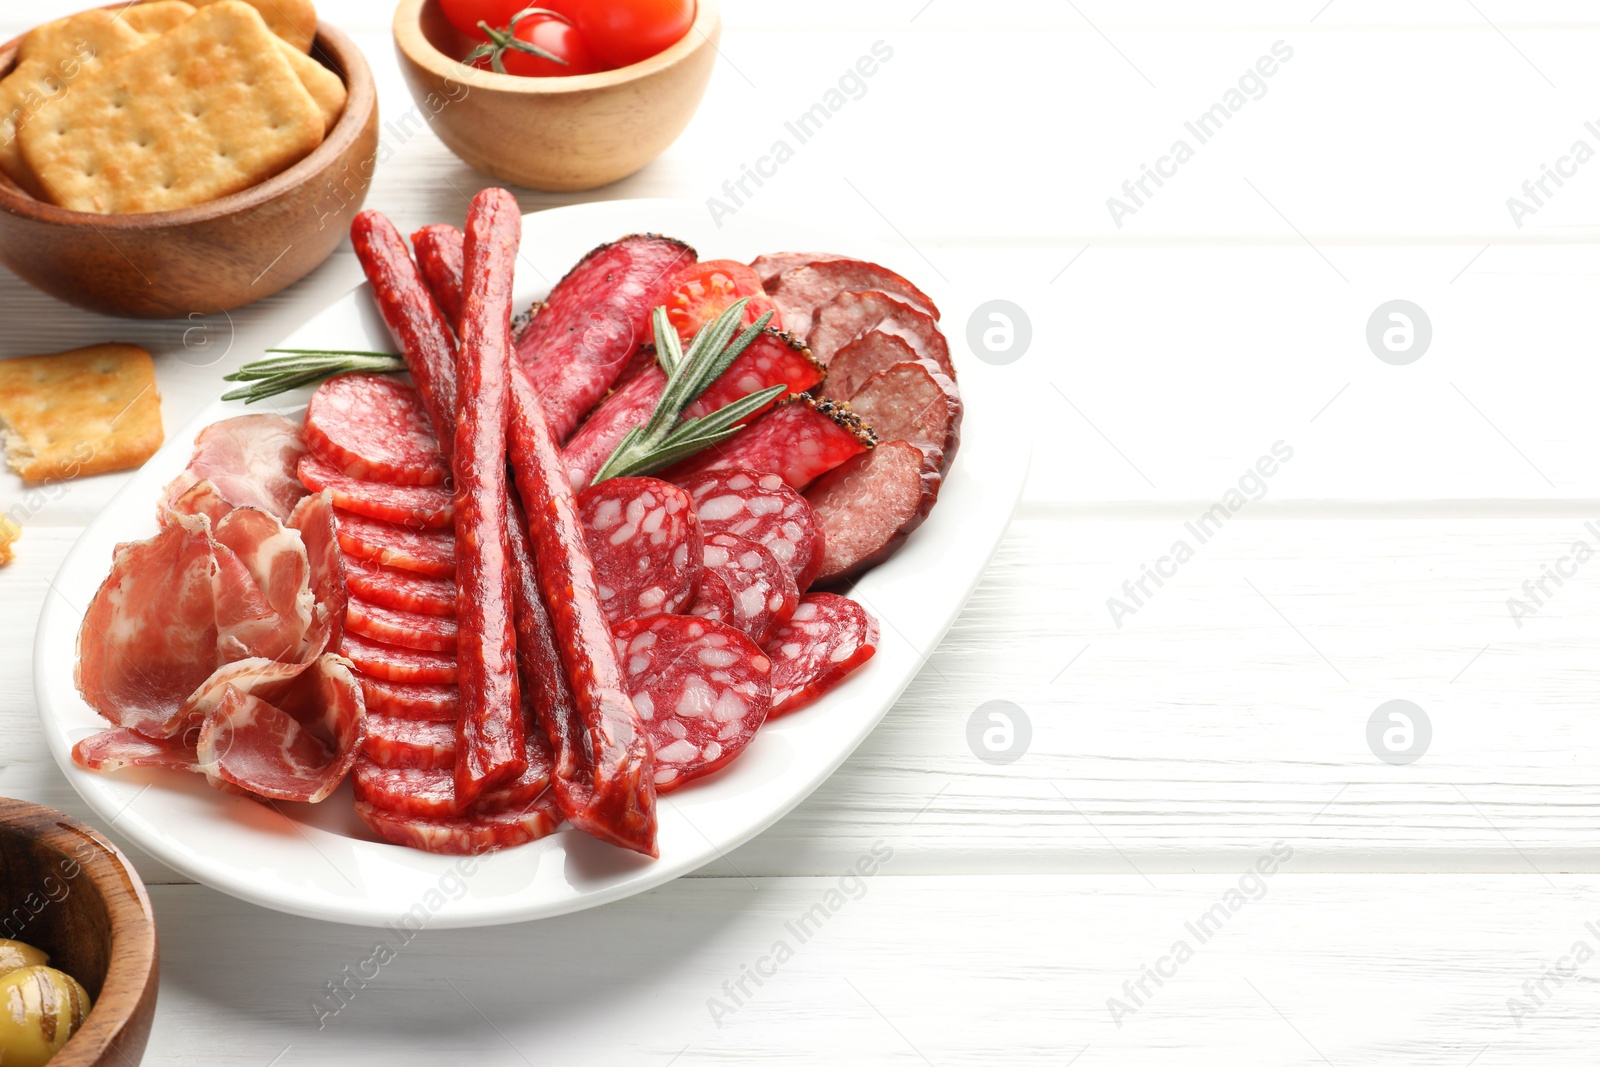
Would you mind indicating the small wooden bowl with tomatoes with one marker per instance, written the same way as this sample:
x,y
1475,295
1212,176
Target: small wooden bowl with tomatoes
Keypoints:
x,y
633,74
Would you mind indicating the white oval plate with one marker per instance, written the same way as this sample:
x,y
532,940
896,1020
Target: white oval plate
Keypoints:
x,y
320,861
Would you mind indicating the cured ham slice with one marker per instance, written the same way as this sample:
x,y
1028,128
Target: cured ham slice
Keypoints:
x,y
119,749
274,561
313,517
249,461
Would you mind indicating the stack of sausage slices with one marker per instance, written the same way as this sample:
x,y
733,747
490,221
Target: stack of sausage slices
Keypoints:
x,y
575,564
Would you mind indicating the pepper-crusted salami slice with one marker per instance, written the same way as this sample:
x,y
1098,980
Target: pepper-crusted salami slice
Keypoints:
x,y
593,321
601,433
773,358
909,402
424,551
853,315
400,589
798,441
408,629
645,542
827,637
441,252
800,292
416,506
371,426
702,690
465,835
411,700
859,360
398,664
765,509
432,792
492,745
410,743
763,591
869,506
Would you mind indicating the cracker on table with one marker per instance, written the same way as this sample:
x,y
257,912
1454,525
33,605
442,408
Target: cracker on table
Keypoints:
x,y
325,87
155,17
200,112
83,411
50,59
9,532
293,20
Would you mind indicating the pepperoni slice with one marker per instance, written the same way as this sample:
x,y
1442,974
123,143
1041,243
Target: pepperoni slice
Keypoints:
x,y
465,835
762,592
410,743
702,690
414,506
799,440
425,701
646,545
402,590
398,664
374,427
827,637
432,792
408,629
765,509
424,551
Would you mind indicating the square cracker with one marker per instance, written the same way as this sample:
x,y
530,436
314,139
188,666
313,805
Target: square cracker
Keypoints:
x,y
155,17
49,60
206,110
9,532
293,20
325,87
84,411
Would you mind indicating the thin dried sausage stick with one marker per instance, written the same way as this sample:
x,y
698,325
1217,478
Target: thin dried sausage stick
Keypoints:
x,y
441,252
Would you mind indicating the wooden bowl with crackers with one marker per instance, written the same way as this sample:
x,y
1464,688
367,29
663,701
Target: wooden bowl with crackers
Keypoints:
x,y
555,134
204,159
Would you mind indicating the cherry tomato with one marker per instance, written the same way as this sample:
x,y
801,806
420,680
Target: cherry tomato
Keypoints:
x,y
705,290
464,14
557,38
623,32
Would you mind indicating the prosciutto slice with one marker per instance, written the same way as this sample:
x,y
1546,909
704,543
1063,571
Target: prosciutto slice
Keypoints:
x,y
115,750
249,461
274,562
313,517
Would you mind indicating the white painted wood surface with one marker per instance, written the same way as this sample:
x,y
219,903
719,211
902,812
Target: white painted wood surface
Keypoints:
x,y
1227,713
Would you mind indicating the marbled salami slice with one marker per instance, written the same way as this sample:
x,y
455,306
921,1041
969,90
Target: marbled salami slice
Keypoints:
x,y
631,405
765,509
828,637
702,690
763,591
400,589
408,629
465,835
432,792
859,360
398,664
869,506
798,440
424,551
645,540
415,743
773,358
853,315
427,701
801,291
412,506
374,427
713,600
909,402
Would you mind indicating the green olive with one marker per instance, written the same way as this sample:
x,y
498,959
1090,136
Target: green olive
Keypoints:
x,y
15,954
40,1008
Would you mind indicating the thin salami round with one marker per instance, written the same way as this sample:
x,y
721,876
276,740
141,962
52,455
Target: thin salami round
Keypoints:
x,y
371,426
765,509
429,702
827,637
416,506
763,592
859,360
702,690
800,291
465,835
645,540
398,664
910,402
869,506
432,792
410,743
399,589
408,629
853,315
424,551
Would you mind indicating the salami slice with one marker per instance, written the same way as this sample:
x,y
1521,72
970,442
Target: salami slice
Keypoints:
x,y
410,743
645,541
713,600
408,629
398,664
643,358
828,637
432,792
411,700
371,426
248,461
859,360
594,320
869,506
798,441
412,506
441,254
801,291
702,690
909,402
765,509
769,267
400,589
465,835
424,551
763,592
853,315
773,358
601,433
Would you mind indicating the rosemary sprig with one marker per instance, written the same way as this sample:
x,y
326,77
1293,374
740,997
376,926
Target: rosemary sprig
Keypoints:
x,y
666,436
304,366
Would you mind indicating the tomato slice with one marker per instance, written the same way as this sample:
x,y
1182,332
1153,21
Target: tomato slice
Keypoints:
x,y
706,289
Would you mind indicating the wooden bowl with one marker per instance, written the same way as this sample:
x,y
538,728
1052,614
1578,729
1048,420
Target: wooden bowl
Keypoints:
x,y
67,890
210,257
554,134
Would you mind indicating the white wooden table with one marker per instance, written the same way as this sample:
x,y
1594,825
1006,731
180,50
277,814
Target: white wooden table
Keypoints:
x,y
1427,913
